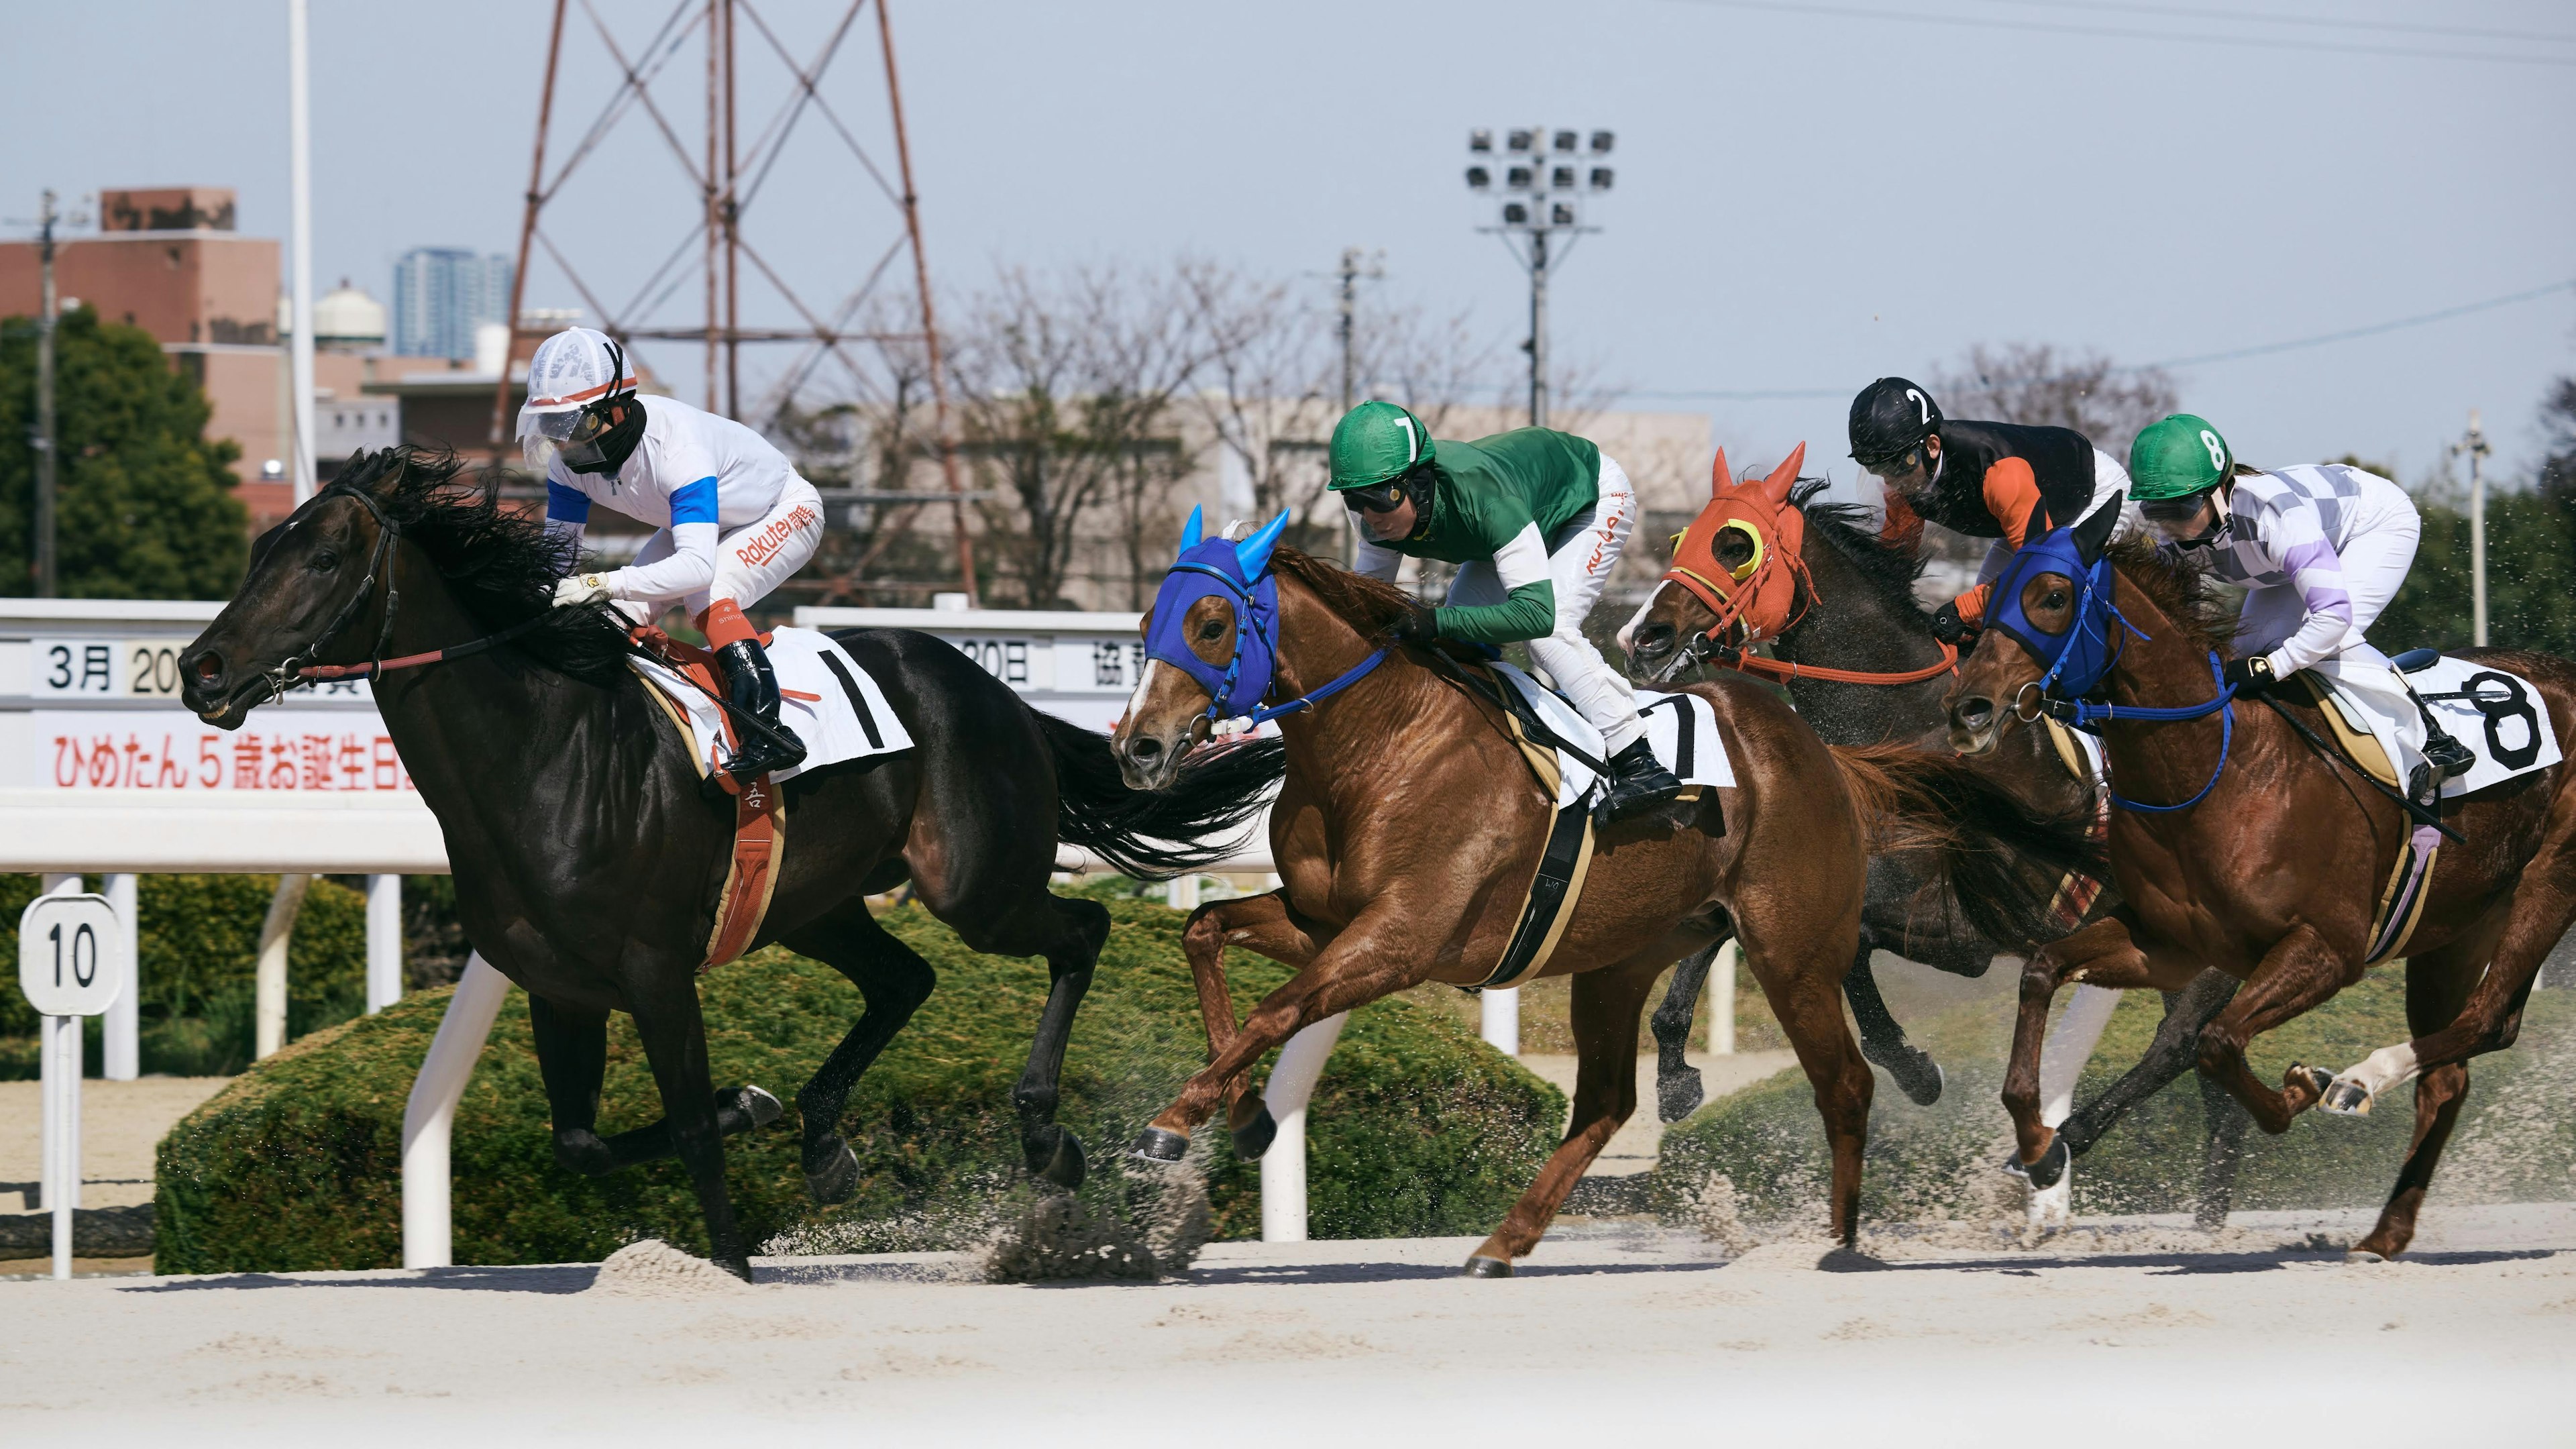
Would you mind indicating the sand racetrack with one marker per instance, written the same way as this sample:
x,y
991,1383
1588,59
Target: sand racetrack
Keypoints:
x,y
1608,1329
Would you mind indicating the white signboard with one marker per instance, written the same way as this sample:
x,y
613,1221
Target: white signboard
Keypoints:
x,y
131,751
71,955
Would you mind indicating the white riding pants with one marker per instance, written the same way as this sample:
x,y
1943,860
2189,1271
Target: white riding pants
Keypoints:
x,y
1580,556
757,557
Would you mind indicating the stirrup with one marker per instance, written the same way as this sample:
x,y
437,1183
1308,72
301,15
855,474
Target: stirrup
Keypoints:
x,y
2448,755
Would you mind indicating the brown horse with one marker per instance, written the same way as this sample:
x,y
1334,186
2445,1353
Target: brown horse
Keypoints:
x,y
1768,561
2275,874
1409,827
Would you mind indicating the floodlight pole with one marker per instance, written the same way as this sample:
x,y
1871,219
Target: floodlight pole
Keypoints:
x,y
1538,327
1540,204
299,115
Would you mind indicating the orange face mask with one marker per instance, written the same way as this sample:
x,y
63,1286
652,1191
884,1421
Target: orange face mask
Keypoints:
x,y
1759,594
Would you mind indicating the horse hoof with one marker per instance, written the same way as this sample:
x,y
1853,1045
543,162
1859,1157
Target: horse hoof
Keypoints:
x,y
1920,1078
1481,1266
1157,1145
1254,1137
838,1178
2344,1097
754,1103
2048,1171
2363,1255
1063,1165
1678,1094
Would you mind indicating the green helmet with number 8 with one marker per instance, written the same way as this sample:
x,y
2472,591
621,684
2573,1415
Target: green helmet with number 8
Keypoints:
x,y
1376,442
2178,457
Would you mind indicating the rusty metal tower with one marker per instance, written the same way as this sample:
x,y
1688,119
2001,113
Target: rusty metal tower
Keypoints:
x,y
727,170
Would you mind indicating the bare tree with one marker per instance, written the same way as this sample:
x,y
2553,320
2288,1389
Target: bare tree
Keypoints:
x,y
2036,383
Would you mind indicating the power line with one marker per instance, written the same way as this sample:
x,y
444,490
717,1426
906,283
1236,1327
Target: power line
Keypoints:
x,y
2323,339
1854,12
2181,12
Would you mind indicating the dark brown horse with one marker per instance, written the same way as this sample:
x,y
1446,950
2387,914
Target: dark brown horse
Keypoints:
x,y
2275,875
1768,561
588,858
1409,828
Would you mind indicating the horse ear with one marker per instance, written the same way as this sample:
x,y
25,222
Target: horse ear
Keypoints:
x,y
1719,479
1193,531
1785,477
1253,554
2094,533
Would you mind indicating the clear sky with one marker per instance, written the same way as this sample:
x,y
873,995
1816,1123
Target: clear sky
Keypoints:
x,y
1808,195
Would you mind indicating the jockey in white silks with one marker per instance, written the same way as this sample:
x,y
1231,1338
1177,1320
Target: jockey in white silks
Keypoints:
x,y
2321,549
735,520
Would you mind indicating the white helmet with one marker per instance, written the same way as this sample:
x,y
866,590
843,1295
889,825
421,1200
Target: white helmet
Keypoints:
x,y
573,372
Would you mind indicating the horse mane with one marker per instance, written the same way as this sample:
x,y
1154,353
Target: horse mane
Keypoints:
x,y
501,563
1358,600
2178,587
1889,569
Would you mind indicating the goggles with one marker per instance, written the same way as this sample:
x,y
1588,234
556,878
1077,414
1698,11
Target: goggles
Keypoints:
x,y
1383,497
1893,465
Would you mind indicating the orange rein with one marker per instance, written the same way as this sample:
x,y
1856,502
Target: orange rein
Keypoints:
x,y
1771,596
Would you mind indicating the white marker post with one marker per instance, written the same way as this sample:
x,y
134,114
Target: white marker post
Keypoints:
x,y
72,962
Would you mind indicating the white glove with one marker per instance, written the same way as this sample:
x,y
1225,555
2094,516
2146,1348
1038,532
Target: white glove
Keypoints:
x,y
575,589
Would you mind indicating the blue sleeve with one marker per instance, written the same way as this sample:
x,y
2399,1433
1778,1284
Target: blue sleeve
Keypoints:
x,y
569,504
694,503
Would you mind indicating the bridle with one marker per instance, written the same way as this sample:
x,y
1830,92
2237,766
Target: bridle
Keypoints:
x,y
1731,605
292,670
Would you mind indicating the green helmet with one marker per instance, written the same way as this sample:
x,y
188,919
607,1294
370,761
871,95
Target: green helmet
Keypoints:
x,y
1374,442
2178,457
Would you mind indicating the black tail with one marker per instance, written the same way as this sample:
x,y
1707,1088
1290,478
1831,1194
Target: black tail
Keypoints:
x,y
2001,861
1157,834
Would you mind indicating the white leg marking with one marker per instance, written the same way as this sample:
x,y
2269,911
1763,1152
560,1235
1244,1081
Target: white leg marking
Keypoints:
x,y
2385,1068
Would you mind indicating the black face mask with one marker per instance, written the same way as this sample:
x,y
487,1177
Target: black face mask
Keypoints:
x,y
605,447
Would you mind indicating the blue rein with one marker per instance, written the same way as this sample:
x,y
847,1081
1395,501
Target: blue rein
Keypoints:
x,y
2084,715
1313,697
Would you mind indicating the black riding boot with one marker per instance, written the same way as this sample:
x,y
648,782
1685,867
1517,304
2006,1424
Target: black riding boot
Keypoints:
x,y
1638,782
753,688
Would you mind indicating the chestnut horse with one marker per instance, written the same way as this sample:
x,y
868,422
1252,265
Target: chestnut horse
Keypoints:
x,y
1409,827
1768,562
2274,872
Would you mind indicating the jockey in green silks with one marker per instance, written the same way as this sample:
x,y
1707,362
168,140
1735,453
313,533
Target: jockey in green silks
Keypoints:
x,y
1535,520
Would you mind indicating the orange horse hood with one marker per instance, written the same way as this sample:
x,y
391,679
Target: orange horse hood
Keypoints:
x,y
1761,593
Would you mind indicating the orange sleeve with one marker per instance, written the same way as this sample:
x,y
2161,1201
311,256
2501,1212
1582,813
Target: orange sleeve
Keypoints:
x,y
1972,606
2012,496
1904,526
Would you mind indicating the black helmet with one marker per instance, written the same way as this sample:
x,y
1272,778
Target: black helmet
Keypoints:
x,y
1890,418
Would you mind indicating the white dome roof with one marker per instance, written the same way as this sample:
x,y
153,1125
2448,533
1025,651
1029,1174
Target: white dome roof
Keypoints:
x,y
347,314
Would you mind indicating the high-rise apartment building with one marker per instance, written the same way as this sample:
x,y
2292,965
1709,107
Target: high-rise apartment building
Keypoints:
x,y
441,294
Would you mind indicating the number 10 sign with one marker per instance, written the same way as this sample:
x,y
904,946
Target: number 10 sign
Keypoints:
x,y
71,955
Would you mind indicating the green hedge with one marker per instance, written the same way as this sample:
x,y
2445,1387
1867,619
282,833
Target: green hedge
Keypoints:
x,y
197,954
1417,1128
1940,1163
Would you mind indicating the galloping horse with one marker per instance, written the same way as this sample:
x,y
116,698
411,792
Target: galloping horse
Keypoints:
x,y
1409,826
1856,653
588,858
2273,871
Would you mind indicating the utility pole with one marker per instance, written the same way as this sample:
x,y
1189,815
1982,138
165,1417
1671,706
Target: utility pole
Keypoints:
x,y
1540,179
47,581
1350,274
2475,445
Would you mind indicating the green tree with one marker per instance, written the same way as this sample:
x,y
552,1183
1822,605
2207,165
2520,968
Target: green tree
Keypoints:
x,y
146,503
2531,558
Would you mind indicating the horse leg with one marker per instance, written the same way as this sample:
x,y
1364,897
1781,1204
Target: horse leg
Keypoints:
x,y
2437,985
572,1055
2529,923
1678,1088
664,998
1077,929
1262,924
2222,1147
1377,955
893,981
2299,973
2101,953
2174,1051
1882,1040
1605,1010
1806,997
